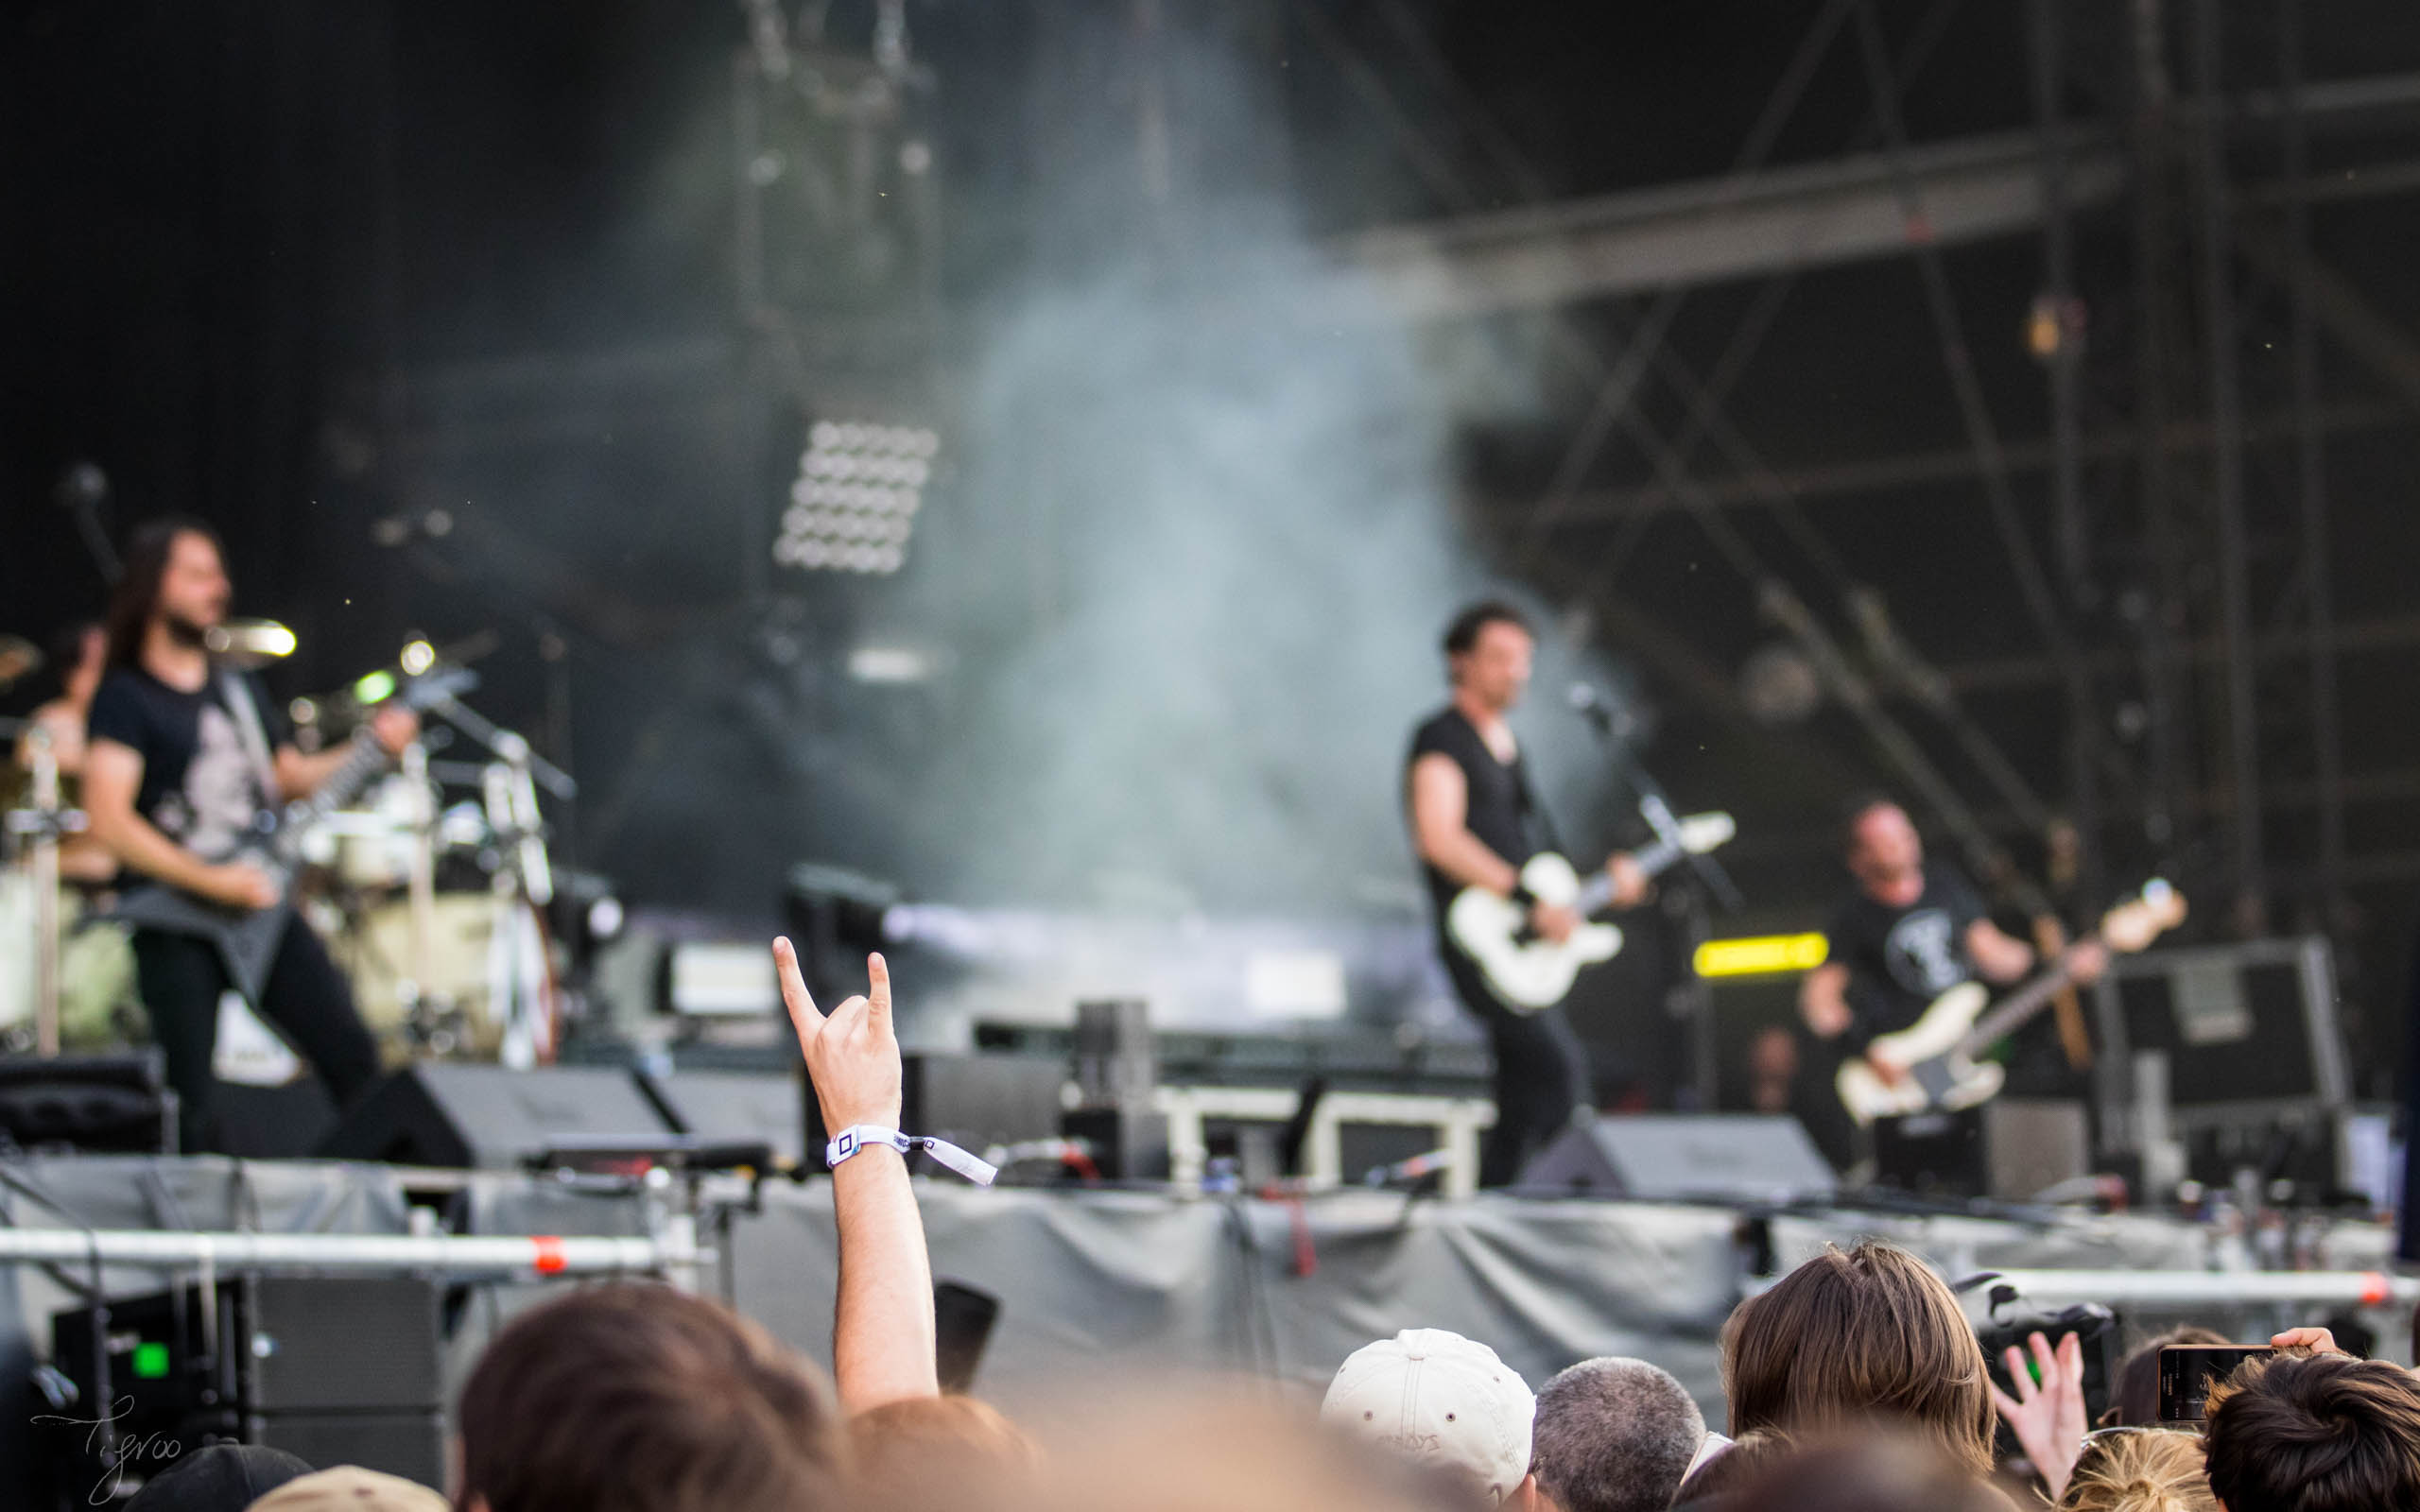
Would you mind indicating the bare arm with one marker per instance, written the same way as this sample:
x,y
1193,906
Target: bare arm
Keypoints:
x,y
1440,802
1824,1000
298,775
112,776
1998,956
882,1328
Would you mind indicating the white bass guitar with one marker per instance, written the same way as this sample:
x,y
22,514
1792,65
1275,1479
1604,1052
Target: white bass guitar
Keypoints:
x,y
1939,1049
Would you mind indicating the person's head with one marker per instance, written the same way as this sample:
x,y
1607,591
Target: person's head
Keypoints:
x,y
221,1478
1868,1472
349,1489
2141,1470
1881,845
643,1399
1727,1470
1852,1338
915,1453
2134,1396
1487,654
174,578
1432,1394
2315,1433
1614,1436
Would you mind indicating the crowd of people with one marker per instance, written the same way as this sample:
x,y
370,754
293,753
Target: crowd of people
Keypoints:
x,y
1855,1382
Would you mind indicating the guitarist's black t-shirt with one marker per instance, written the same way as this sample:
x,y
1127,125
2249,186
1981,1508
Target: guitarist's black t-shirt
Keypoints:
x,y
1502,812
1900,959
201,786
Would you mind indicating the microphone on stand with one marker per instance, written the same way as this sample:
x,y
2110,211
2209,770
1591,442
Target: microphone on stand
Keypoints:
x,y
1591,705
82,490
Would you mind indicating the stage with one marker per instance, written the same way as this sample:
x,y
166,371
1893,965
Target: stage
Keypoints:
x,y
1099,1283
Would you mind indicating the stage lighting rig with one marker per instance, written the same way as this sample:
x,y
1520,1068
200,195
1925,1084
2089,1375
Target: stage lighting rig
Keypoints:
x,y
852,506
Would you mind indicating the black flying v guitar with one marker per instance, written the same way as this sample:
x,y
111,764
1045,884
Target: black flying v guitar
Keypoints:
x,y
247,938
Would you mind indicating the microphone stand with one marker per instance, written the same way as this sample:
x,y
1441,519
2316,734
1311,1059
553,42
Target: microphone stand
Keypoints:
x,y
1653,806
1689,998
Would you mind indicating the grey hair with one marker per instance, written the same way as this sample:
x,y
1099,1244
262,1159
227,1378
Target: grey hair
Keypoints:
x,y
1614,1436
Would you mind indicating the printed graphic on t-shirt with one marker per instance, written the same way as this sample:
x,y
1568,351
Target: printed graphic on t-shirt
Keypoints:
x,y
1922,951
216,807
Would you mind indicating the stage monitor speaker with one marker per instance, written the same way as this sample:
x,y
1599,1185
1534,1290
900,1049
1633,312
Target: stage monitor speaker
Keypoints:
x,y
116,1105
1722,1156
727,1106
448,1115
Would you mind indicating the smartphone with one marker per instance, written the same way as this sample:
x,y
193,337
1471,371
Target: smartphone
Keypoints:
x,y
2187,1372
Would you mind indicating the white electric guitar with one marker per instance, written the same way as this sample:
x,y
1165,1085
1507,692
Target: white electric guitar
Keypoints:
x,y
1527,972
1938,1048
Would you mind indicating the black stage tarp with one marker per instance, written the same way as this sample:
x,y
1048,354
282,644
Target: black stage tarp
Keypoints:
x,y
1099,1285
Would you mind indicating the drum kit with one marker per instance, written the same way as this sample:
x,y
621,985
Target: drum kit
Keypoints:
x,y
431,887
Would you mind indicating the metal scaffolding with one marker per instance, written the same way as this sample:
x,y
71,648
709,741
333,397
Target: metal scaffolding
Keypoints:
x,y
2168,534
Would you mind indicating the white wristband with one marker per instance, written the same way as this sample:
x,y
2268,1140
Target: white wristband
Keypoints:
x,y
857,1137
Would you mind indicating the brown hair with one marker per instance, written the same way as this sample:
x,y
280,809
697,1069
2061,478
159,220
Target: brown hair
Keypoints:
x,y
2134,1396
2142,1470
2315,1433
641,1399
1462,635
1869,1472
1731,1469
1854,1337
137,590
926,1451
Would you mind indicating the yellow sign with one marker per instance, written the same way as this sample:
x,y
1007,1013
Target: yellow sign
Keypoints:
x,y
1761,954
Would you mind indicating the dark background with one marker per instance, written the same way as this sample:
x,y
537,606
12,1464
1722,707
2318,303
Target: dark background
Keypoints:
x,y
296,268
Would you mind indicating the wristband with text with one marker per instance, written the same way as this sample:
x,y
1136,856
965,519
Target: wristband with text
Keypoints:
x,y
858,1137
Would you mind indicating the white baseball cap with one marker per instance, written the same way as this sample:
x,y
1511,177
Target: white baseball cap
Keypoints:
x,y
1438,1398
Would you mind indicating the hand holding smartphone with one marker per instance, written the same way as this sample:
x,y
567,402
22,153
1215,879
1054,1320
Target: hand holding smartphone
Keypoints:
x,y
2187,1372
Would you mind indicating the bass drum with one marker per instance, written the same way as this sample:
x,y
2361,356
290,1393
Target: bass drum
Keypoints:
x,y
98,1006
485,955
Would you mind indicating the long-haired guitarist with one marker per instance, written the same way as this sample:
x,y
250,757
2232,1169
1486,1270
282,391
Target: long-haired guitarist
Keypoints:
x,y
1474,821
184,758
1912,930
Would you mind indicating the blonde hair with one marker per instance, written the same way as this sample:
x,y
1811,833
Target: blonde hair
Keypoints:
x,y
2149,1470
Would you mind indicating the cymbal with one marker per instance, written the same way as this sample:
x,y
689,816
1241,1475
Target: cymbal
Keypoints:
x,y
19,658
250,643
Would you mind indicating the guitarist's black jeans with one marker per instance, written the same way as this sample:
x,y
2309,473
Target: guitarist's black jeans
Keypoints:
x,y
1541,1073
307,999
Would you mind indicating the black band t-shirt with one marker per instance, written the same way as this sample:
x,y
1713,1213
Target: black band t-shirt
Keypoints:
x,y
202,786
1900,959
1502,812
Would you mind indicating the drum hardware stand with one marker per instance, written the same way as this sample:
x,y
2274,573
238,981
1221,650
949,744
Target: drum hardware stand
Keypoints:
x,y
40,827
509,787
511,791
426,1017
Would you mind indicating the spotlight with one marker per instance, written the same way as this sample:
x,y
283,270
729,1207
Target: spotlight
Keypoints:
x,y
419,656
852,506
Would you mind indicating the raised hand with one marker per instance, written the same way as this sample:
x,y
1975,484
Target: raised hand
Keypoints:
x,y
2048,1418
882,1319
851,1054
